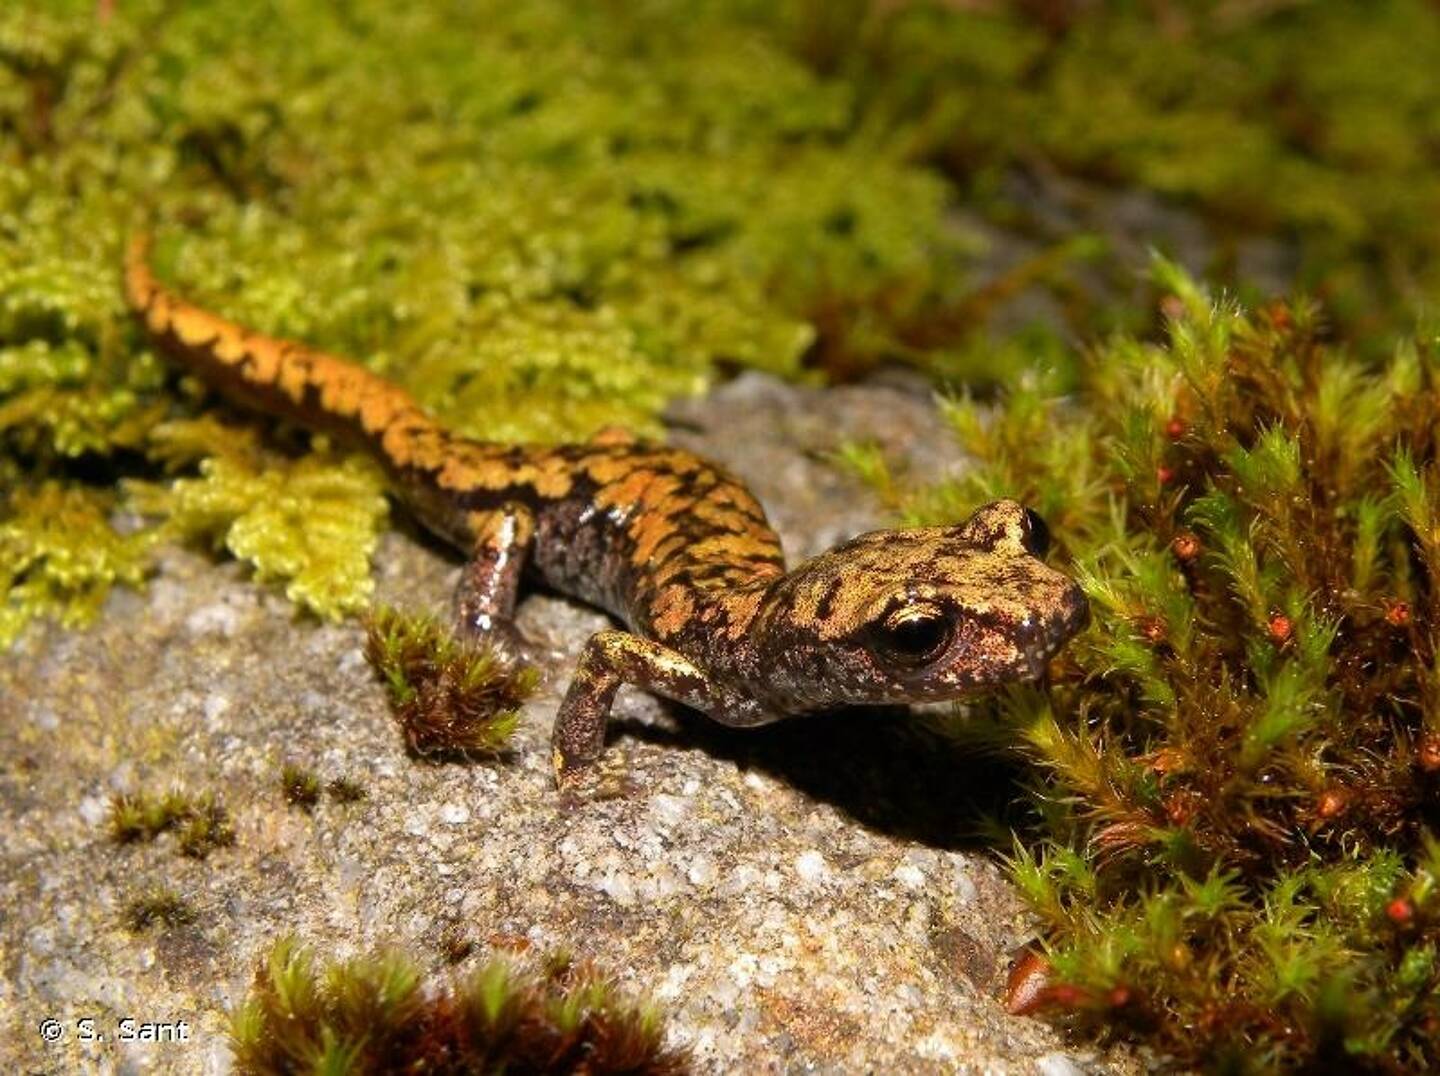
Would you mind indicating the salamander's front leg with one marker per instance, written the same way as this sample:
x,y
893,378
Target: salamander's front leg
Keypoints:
x,y
485,597
612,658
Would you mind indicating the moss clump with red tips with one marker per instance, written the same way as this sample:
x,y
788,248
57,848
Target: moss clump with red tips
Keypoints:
x,y
374,1014
451,699
1236,768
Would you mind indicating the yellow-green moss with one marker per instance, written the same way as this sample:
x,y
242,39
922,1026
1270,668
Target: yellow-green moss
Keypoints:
x,y
540,218
157,906
310,523
544,217
59,556
301,787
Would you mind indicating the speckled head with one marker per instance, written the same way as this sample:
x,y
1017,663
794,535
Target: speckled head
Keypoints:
x,y
919,615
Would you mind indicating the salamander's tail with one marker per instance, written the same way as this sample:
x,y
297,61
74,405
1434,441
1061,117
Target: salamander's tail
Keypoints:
x,y
277,376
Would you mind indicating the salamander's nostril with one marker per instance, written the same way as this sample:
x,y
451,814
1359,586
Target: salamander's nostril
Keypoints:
x,y
1037,537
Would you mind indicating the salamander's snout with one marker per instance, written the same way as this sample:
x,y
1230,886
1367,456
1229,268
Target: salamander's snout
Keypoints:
x,y
1079,618
1039,636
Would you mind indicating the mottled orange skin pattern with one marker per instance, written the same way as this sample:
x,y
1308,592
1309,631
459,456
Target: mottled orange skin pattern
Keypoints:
x,y
674,547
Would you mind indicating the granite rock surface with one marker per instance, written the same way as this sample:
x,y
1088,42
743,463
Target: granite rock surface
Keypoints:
x,y
804,898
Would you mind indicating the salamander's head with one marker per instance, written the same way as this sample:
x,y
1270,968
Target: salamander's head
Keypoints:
x,y
918,615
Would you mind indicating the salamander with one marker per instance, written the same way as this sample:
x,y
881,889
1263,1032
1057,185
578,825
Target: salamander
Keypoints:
x,y
672,546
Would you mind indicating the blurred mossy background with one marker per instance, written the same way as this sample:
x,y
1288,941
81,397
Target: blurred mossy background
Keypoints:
x,y
545,217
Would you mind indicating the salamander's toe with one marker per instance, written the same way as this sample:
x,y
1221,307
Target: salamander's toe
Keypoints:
x,y
606,778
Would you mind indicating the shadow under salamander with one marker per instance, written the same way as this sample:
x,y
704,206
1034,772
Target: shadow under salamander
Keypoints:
x,y
886,768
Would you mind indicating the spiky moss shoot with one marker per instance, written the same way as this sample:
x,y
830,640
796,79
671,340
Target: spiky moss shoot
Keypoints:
x,y
158,906
138,816
346,790
456,944
373,1014
201,823
452,700
1239,762
207,829
300,786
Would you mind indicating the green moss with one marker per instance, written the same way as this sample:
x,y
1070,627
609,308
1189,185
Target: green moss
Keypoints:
x,y
200,822
303,788
451,699
59,555
207,829
159,906
300,786
543,218
310,523
1311,121
141,817
1237,764
346,790
374,1014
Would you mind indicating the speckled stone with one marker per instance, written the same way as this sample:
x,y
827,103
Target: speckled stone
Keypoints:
x,y
795,897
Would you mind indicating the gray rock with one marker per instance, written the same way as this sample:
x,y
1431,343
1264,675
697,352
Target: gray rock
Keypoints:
x,y
796,898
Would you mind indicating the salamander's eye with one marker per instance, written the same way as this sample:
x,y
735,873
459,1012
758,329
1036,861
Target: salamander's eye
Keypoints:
x,y
914,635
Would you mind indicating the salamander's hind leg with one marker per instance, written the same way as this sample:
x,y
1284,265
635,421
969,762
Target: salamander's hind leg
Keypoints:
x,y
485,597
612,658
